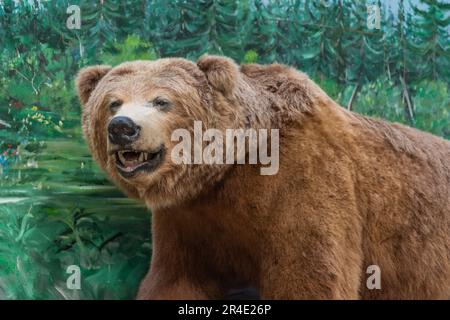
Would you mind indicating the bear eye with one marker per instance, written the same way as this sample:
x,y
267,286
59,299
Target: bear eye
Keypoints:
x,y
113,106
160,102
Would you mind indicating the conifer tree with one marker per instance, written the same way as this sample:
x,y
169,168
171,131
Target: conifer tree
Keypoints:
x,y
211,26
431,39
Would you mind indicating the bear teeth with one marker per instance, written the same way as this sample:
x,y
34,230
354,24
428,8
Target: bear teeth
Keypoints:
x,y
121,157
129,161
139,158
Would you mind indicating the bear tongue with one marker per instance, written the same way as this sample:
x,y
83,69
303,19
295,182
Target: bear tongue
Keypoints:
x,y
132,166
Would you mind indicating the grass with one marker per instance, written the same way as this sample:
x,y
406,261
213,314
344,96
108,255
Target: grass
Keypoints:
x,y
64,212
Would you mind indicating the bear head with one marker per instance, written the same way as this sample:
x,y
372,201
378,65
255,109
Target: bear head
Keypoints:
x,y
130,111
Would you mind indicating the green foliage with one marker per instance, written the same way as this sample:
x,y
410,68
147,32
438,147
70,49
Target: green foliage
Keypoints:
x,y
132,48
251,56
15,259
431,41
99,22
328,38
381,99
432,107
50,218
263,32
211,26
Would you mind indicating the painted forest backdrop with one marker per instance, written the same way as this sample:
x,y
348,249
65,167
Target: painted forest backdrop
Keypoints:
x,y
57,209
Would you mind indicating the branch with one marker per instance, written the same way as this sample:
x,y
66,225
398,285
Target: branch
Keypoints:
x,y
32,84
31,81
4,124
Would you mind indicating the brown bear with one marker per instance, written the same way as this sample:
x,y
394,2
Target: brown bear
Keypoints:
x,y
352,193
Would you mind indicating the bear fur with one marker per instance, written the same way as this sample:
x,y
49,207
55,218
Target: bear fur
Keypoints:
x,y
351,191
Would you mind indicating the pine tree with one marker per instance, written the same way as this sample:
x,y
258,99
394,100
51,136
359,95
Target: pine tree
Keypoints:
x,y
289,16
98,24
325,36
131,18
162,23
404,64
431,40
211,26
262,36
365,50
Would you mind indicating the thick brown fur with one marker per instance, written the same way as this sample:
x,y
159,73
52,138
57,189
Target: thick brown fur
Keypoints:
x,y
351,191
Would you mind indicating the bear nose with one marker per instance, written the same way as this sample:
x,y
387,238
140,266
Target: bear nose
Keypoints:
x,y
123,130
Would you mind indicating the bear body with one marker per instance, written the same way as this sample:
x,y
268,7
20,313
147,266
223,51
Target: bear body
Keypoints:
x,y
351,192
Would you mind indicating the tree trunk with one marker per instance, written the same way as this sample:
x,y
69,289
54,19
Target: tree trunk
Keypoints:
x,y
407,99
352,98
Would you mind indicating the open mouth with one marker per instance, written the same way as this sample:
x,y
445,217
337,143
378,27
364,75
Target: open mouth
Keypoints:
x,y
129,162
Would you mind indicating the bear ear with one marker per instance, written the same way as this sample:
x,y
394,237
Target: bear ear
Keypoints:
x,y
222,73
88,79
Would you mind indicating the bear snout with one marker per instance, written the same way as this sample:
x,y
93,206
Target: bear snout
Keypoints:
x,y
123,131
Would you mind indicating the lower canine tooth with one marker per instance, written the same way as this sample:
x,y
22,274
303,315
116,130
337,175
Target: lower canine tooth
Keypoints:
x,y
121,157
145,156
141,157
